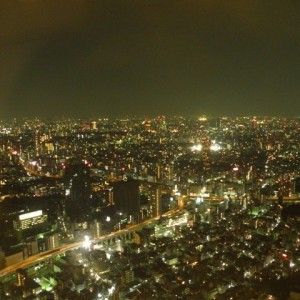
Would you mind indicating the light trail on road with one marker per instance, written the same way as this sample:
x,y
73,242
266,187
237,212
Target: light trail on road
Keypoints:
x,y
46,255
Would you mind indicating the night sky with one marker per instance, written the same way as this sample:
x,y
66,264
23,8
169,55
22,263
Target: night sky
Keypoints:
x,y
96,58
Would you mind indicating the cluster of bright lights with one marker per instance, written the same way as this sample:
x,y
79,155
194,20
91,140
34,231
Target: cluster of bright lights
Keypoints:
x,y
199,200
215,147
197,147
87,242
179,221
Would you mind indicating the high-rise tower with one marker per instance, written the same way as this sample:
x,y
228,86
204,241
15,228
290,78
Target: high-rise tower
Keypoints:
x,y
78,192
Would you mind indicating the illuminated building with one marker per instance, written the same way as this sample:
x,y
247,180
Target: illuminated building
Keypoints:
x,y
21,277
37,141
30,248
96,229
30,220
129,276
158,202
147,124
94,125
48,146
52,241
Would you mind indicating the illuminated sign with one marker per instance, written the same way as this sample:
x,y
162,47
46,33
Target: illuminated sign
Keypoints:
x,y
31,215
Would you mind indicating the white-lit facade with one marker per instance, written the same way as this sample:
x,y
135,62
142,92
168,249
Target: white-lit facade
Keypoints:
x,y
29,220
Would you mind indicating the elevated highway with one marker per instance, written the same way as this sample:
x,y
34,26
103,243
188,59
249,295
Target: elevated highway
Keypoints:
x,y
107,239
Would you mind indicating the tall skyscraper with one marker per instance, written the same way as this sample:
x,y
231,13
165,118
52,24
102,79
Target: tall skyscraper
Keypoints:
x,y
158,202
126,196
78,192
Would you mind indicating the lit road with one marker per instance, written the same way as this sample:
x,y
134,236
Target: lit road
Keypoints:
x,y
46,255
38,257
38,173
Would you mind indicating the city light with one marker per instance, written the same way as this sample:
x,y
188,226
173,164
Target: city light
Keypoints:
x,y
87,242
177,209
197,147
30,215
215,147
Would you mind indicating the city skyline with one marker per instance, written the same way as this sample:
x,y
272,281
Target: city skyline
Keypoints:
x,y
166,208
116,59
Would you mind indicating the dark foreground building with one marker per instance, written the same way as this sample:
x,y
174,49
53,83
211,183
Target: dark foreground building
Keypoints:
x,y
126,197
78,192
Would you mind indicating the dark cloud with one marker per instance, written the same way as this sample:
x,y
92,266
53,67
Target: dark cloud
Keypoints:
x,y
93,58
